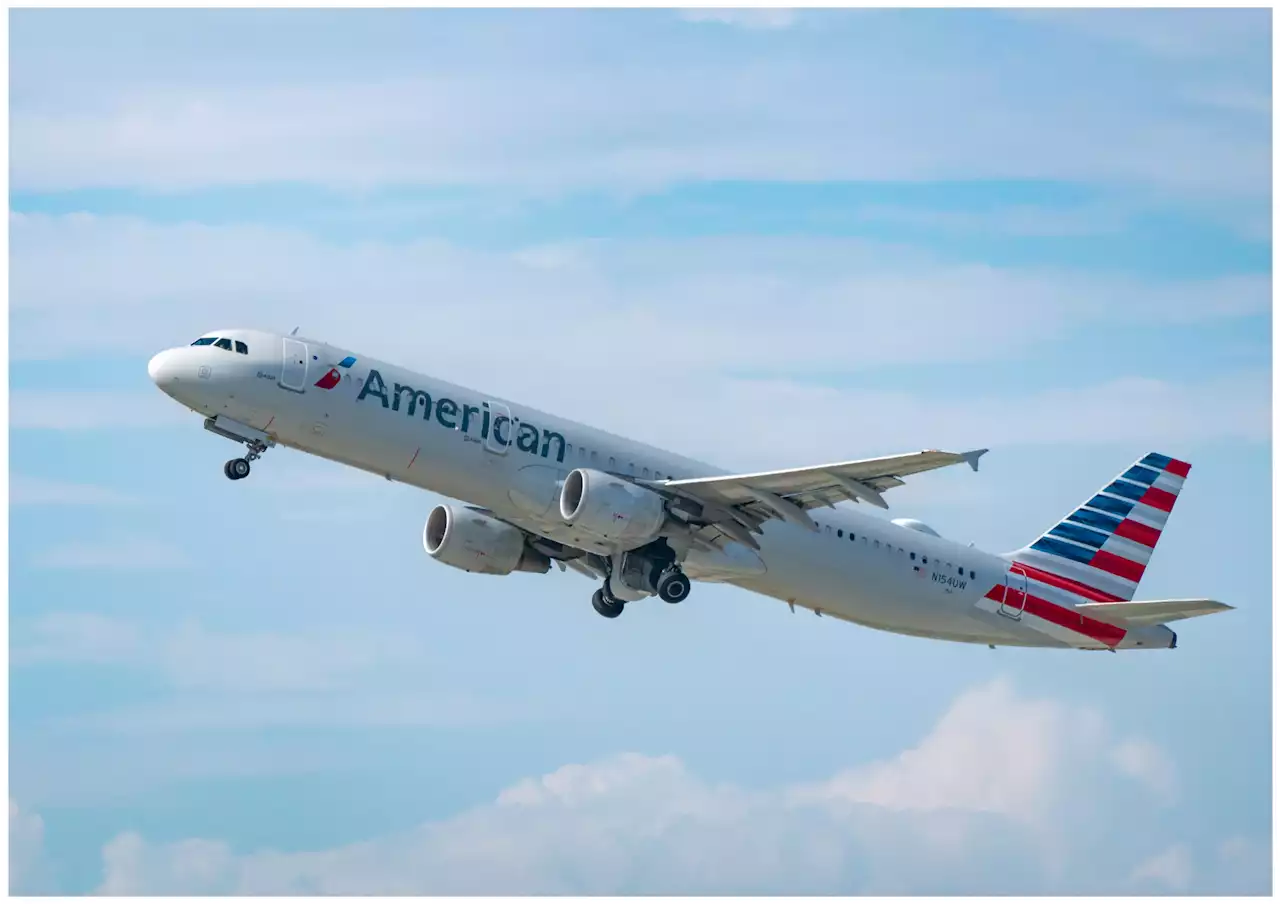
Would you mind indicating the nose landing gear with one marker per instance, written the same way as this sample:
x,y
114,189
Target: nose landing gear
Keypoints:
x,y
253,439
238,468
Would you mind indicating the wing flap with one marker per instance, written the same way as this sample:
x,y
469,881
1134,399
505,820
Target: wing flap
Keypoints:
x,y
787,494
1153,612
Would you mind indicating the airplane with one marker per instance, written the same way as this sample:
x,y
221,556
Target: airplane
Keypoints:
x,y
536,489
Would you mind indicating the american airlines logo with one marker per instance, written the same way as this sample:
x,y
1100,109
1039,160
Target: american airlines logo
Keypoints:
x,y
469,419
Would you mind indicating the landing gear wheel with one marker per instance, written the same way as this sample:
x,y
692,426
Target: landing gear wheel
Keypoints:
x,y
237,468
606,607
673,586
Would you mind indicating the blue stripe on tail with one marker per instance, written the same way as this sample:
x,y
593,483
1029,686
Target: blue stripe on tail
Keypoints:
x,y
1065,550
1069,531
1139,474
1095,519
1110,504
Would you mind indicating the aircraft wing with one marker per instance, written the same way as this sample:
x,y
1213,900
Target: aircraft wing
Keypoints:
x,y
1152,612
739,503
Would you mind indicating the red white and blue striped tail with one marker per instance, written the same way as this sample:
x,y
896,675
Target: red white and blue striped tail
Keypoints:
x,y
1100,551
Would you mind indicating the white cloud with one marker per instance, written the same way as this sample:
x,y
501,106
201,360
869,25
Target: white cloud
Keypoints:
x,y
1172,33
193,657
115,554
1243,865
26,848
751,19
897,305
1147,763
375,705
636,824
954,767
699,310
1171,868
66,409
75,637
39,491
632,119
1018,220
339,676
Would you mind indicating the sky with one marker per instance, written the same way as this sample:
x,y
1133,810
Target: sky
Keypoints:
x,y
759,238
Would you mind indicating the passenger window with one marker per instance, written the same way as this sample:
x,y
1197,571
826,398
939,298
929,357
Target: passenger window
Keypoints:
x,y
840,534
972,576
241,348
646,473
594,457
924,560
613,463
223,343
207,340
961,571
877,544
913,557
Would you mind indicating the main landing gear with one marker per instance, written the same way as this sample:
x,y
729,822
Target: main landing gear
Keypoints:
x,y
672,586
605,603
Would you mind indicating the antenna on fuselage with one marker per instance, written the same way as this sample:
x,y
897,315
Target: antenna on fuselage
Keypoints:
x,y
295,331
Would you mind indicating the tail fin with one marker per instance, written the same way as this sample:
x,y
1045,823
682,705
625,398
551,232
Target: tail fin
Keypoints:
x,y
1101,550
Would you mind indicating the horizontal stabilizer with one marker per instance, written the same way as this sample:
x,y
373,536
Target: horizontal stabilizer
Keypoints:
x,y
1152,612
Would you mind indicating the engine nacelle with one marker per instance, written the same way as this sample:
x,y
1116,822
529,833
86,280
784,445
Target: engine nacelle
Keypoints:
x,y
475,542
615,510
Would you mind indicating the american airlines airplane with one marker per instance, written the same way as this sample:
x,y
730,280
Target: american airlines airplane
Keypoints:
x,y
537,489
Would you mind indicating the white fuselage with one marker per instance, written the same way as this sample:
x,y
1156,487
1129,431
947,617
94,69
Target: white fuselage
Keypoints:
x,y
409,427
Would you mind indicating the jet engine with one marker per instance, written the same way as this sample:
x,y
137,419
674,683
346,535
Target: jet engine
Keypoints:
x,y
612,509
476,542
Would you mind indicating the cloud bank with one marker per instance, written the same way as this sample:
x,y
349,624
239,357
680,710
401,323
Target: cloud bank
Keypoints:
x,y
1000,771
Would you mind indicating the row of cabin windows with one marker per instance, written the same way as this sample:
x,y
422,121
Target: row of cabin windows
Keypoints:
x,y
586,456
239,347
924,560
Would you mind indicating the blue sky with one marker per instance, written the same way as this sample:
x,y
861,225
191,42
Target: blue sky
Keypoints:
x,y
812,236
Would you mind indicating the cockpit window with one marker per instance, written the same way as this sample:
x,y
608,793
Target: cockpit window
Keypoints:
x,y
241,348
223,343
207,340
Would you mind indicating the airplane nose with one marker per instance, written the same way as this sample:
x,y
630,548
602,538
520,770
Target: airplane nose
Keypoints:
x,y
162,370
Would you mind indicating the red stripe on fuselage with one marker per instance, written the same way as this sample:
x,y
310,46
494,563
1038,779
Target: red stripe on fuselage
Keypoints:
x,y
1138,533
1159,499
1063,617
1118,565
1179,468
1054,580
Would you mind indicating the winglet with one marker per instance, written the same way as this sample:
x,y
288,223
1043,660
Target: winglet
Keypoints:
x,y
972,457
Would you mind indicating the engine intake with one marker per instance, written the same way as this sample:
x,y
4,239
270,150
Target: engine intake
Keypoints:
x,y
616,511
475,542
